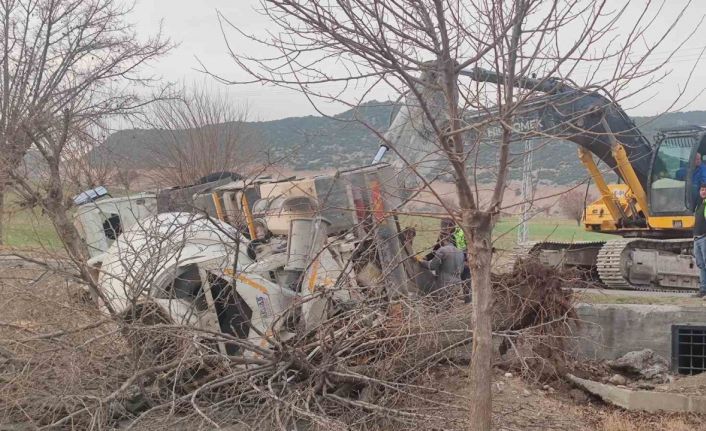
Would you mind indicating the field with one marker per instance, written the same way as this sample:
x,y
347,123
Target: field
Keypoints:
x,y
505,234
26,228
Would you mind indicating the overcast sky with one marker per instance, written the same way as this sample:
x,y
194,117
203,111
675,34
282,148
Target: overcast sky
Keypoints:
x,y
194,25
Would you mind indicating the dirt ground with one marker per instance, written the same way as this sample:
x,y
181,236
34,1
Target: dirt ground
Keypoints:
x,y
519,405
34,304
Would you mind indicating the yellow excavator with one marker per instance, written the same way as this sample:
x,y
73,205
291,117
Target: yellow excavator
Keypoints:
x,y
650,208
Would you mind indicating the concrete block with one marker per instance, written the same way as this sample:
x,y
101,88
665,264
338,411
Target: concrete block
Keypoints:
x,y
649,401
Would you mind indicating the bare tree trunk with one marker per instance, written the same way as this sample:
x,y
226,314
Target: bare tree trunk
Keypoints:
x,y
2,211
75,247
69,236
54,204
480,254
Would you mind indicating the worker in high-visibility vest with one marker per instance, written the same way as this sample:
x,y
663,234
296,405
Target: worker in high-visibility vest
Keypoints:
x,y
459,240
700,240
447,263
449,232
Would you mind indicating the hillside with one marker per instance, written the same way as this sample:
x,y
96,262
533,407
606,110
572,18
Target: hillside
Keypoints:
x,y
314,143
305,143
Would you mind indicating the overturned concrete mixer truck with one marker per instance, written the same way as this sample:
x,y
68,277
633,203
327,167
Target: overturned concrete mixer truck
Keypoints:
x,y
234,254
248,251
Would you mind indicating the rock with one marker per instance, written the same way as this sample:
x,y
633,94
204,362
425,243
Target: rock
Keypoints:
x,y
656,371
662,378
545,387
645,363
618,380
579,396
508,375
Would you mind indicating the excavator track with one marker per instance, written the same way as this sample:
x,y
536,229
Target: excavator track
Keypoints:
x,y
533,247
614,259
610,263
523,250
618,259
578,254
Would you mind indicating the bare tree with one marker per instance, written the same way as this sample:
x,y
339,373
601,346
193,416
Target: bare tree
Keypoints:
x,y
573,204
200,132
67,67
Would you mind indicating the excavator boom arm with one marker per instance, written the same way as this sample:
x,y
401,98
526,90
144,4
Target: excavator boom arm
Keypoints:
x,y
587,118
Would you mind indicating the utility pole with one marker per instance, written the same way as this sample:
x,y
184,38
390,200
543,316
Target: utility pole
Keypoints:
x,y
523,229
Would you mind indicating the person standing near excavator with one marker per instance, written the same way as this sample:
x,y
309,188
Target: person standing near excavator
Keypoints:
x,y
452,235
700,239
447,263
698,178
459,240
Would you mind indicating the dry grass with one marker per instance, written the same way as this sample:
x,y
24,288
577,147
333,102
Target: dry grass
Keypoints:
x,y
56,354
604,297
621,421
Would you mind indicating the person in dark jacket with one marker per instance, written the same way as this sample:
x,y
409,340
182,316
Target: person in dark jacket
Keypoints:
x,y
700,239
450,233
447,263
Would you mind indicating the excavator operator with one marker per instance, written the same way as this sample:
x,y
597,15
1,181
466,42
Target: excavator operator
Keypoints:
x,y
698,177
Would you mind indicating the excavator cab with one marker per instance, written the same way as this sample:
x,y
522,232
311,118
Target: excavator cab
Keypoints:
x,y
672,190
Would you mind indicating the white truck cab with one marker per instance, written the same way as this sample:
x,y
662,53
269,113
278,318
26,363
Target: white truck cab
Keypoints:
x,y
101,219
